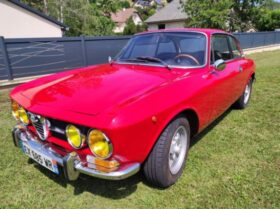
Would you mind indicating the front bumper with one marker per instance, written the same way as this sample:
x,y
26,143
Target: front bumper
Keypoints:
x,y
72,166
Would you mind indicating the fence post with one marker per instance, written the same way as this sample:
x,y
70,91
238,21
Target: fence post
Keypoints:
x,y
83,44
6,58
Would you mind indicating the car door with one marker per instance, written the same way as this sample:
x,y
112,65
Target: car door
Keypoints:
x,y
223,80
243,72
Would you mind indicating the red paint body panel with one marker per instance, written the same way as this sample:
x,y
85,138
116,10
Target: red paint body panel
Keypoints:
x,y
121,99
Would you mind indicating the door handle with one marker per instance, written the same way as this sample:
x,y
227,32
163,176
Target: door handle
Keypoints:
x,y
240,69
210,73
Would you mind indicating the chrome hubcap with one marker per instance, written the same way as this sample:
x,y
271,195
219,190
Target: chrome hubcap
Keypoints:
x,y
178,148
247,93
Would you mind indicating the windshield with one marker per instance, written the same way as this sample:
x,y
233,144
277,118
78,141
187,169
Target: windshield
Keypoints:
x,y
184,49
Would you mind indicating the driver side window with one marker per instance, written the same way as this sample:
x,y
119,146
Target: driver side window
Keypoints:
x,y
220,48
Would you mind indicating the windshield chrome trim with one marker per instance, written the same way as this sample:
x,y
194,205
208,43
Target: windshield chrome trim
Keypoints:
x,y
172,66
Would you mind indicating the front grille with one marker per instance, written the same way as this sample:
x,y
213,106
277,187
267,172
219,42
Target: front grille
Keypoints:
x,y
56,128
40,124
39,128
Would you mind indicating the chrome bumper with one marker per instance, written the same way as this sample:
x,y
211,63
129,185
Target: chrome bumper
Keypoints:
x,y
70,163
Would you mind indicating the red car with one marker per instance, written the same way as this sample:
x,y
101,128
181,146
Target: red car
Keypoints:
x,y
139,110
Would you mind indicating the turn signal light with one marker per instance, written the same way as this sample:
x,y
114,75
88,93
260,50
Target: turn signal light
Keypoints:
x,y
15,110
102,165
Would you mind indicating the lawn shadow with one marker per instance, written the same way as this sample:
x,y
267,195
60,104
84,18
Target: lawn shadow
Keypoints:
x,y
105,188
116,189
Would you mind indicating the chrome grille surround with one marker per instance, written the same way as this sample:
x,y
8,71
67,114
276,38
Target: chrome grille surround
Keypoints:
x,y
41,125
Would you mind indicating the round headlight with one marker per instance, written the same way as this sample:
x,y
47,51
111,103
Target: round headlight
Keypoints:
x,y
99,144
23,116
15,110
74,136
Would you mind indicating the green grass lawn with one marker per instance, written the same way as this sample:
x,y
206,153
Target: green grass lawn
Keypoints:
x,y
235,164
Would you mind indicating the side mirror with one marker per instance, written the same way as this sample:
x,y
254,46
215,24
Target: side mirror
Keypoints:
x,y
220,64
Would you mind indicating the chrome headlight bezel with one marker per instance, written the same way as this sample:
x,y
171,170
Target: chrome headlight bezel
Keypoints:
x,y
108,141
82,137
22,120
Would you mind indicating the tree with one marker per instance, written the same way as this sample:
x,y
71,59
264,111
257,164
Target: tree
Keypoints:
x,y
131,28
272,4
245,12
83,17
268,20
146,12
123,4
208,13
229,15
37,4
106,6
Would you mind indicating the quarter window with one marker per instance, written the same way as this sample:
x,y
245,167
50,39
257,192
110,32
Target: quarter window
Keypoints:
x,y
236,53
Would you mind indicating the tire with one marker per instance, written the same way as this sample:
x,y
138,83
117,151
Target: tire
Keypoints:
x,y
243,101
163,166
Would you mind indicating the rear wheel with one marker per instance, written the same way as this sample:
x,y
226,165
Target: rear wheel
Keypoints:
x,y
166,161
243,101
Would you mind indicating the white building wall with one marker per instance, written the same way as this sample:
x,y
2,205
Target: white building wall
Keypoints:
x,y
119,28
136,19
154,26
16,22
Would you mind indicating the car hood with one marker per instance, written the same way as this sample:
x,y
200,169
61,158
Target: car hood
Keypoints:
x,y
94,89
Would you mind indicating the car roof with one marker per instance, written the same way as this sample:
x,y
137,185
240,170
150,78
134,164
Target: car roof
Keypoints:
x,y
208,31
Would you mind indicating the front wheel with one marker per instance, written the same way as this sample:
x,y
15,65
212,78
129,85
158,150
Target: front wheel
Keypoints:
x,y
167,160
243,101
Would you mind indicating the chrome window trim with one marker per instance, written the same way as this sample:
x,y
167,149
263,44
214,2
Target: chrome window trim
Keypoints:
x,y
220,33
206,62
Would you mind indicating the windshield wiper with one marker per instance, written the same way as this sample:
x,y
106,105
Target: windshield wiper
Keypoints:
x,y
147,59
154,59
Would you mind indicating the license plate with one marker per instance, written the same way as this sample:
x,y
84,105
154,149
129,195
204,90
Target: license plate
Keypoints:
x,y
40,158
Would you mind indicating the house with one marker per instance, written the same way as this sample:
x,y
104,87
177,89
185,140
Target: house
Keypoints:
x,y
142,3
121,17
17,20
147,3
170,16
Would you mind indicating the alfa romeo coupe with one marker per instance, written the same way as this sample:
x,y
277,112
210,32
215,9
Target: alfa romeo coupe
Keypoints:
x,y
140,110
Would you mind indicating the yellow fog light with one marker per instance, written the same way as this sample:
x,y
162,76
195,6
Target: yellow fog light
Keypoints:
x,y
99,144
23,116
74,136
15,110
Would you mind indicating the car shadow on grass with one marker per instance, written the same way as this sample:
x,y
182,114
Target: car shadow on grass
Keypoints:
x,y
116,189
105,188
209,128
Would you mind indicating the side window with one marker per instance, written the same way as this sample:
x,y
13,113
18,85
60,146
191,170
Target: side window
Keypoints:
x,y
220,48
236,53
